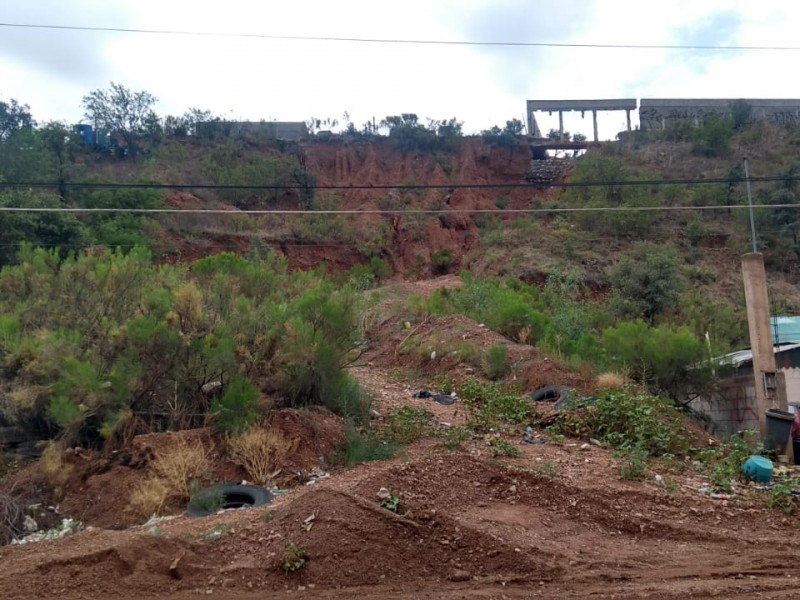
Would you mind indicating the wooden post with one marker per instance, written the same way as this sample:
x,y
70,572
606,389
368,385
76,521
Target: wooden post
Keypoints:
x,y
755,295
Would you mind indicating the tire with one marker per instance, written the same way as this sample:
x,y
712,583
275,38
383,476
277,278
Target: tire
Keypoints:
x,y
234,496
551,392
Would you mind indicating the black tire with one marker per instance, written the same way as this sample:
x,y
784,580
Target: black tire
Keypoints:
x,y
550,392
234,496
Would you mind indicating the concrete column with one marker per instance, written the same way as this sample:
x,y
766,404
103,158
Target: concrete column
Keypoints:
x,y
628,116
594,122
561,126
755,295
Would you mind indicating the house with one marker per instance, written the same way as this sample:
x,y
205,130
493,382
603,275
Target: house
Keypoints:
x,y
731,406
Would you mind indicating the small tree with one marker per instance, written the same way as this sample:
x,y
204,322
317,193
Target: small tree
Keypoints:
x,y
647,282
741,113
14,117
123,112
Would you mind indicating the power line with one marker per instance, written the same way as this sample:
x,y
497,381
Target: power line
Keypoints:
x,y
314,38
388,211
399,186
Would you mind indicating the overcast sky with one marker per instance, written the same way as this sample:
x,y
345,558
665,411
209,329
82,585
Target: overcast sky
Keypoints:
x,y
294,80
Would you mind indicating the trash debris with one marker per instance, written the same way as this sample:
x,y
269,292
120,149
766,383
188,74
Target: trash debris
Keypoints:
x,y
723,496
68,527
529,437
445,399
384,494
317,475
758,468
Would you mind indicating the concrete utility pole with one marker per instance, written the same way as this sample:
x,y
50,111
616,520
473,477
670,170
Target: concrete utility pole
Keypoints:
x,y
755,294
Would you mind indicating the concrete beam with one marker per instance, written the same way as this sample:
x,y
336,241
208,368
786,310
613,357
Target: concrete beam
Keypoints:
x,y
719,103
582,105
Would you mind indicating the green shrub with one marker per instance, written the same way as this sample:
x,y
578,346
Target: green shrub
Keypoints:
x,y
629,421
238,409
454,437
713,137
363,445
408,423
500,447
441,261
495,362
634,465
211,500
646,283
489,407
294,557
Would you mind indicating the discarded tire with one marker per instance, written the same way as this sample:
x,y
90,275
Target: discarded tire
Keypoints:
x,y
551,392
233,496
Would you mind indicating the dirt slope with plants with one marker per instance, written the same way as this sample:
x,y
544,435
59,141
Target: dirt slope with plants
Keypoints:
x,y
185,350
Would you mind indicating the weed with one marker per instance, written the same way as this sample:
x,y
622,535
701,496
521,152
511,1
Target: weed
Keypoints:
x,y
629,420
780,496
634,465
149,496
210,501
499,447
261,452
495,362
611,381
392,503
363,445
454,437
408,424
294,557
268,516
218,532
547,469
489,407
671,486
723,463
53,468
179,466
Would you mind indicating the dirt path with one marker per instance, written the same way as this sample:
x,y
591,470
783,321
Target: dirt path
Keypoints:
x,y
555,523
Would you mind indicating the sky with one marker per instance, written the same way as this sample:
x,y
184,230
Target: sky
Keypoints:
x,y
291,80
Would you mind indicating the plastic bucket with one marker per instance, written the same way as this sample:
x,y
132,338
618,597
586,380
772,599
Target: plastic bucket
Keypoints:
x,y
779,427
758,468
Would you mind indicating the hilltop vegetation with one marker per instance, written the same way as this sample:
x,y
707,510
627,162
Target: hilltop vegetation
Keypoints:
x,y
92,341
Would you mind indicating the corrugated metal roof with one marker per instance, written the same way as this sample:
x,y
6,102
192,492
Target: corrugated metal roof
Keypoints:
x,y
742,357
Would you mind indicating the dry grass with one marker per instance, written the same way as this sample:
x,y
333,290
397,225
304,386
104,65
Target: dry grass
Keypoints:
x,y
261,452
177,467
11,518
171,475
149,497
53,469
611,381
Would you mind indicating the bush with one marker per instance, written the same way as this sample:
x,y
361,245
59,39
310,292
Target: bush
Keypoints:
x,y
495,362
441,261
363,445
646,283
630,421
407,424
713,137
262,453
667,359
489,407
238,409
500,447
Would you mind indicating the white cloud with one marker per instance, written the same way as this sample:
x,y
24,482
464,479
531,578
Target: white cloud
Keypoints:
x,y
291,80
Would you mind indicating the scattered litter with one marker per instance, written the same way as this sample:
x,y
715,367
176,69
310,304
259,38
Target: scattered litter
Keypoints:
x,y
308,522
529,437
384,494
317,475
68,527
30,525
445,399
155,519
723,496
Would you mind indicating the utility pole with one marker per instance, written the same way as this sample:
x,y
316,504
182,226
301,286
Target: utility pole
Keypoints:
x,y
757,301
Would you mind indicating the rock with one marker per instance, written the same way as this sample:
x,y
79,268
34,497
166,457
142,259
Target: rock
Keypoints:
x,y
585,447
460,575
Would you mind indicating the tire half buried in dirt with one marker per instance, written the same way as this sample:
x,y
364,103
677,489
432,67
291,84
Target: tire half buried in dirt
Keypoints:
x,y
233,496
